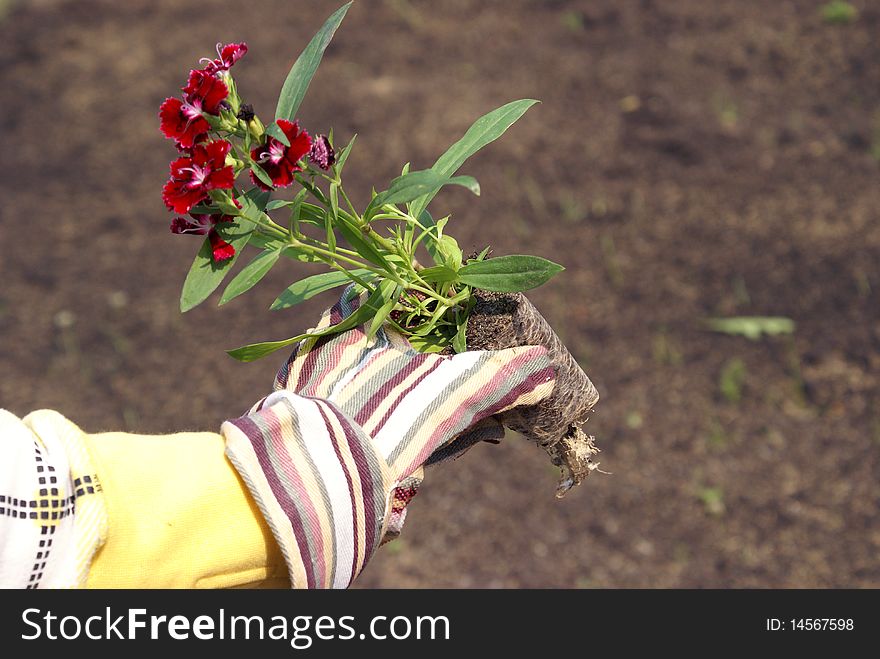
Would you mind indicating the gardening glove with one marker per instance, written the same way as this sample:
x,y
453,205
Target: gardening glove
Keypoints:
x,y
52,517
123,510
335,453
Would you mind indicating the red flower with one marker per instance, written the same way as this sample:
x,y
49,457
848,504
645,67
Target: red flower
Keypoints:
x,y
192,177
204,224
279,161
322,153
229,55
182,120
205,92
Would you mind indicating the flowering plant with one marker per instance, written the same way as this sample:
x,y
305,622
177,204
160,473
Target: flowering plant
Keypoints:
x,y
221,141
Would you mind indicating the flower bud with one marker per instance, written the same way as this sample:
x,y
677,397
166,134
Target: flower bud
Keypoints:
x,y
254,125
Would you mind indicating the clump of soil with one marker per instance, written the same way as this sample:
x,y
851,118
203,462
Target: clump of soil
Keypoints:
x,y
506,320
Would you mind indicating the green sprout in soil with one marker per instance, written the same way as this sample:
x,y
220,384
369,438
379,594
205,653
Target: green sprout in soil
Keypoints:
x,y
839,12
751,327
731,380
713,500
373,249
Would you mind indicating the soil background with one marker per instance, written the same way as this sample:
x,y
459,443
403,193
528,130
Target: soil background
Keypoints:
x,y
690,159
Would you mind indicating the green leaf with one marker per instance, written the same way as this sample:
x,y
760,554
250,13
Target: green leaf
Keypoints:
x,y
413,185
361,315
509,274
450,252
439,274
459,342
312,214
278,203
203,210
752,327
227,208
258,196
484,130
309,287
261,174
261,241
363,247
255,351
296,212
382,314
427,344
343,156
250,274
205,275
302,71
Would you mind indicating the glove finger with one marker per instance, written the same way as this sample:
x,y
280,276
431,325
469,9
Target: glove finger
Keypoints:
x,y
488,430
411,416
401,495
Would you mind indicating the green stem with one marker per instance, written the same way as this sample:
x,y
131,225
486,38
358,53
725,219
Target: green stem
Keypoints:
x,y
348,201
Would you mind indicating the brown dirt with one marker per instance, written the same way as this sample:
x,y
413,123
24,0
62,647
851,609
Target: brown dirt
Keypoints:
x,y
690,159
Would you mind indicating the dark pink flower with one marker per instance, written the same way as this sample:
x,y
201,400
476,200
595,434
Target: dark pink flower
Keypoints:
x,y
279,161
228,55
205,92
322,153
182,120
205,224
192,177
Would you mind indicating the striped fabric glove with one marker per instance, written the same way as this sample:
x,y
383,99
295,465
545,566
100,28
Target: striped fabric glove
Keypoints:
x,y
333,456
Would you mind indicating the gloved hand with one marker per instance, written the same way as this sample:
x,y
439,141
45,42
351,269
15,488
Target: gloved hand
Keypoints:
x,y
335,453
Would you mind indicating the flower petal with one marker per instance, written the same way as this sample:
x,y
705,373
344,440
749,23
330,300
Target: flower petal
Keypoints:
x,y
195,224
205,91
180,197
220,249
177,122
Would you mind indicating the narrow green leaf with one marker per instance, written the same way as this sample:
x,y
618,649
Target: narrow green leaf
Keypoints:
x,y
261,241
380,317
343,156
332,216
296,212
302,71
278,203
361,315
484,130
427,344
309,287
227,208
508,274
261,174
254,351
459,342
439,274
312,214
450,252
363,247
203,210
252,273
752,327
431,235
259,197
205,275
413,185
